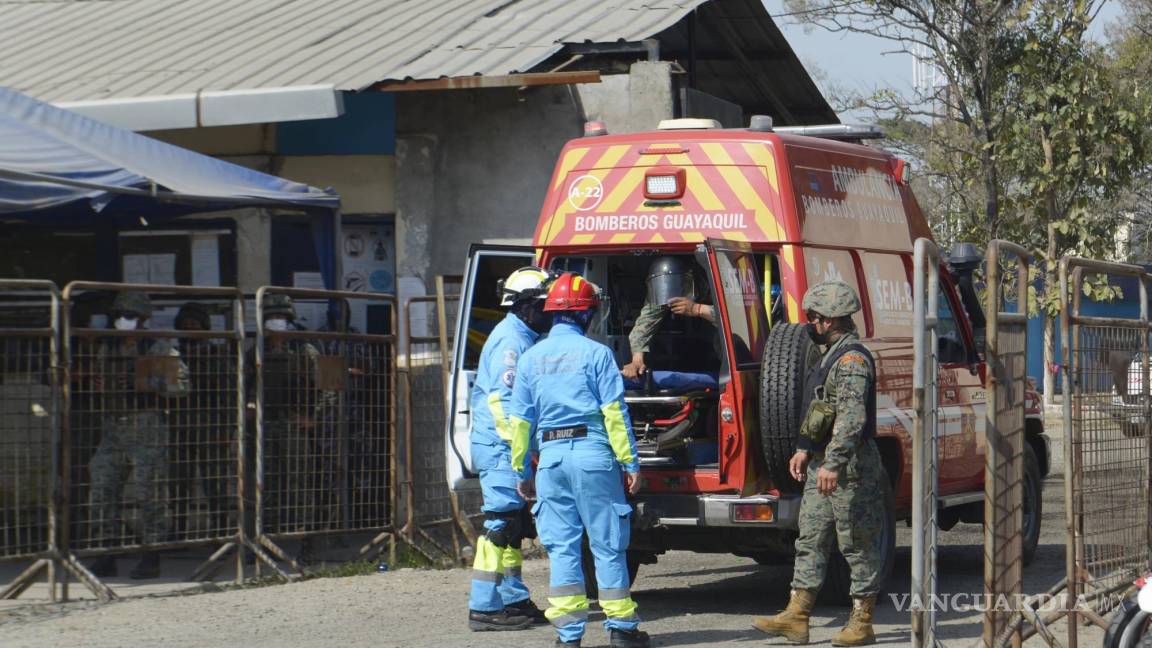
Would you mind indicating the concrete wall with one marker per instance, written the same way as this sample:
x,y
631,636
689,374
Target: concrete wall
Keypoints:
x,y
474,165
628,103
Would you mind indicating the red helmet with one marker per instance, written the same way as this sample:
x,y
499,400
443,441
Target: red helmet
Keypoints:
x,y
572,292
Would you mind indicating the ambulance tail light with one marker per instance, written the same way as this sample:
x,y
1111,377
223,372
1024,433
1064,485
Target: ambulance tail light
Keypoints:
x,y
664,183
752,513
595,128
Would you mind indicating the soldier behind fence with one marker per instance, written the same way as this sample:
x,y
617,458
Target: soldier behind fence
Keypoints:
x,y
202,429
292,404
134,432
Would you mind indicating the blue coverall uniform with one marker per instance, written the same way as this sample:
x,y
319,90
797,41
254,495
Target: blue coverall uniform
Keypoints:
x,y
568,401
496,580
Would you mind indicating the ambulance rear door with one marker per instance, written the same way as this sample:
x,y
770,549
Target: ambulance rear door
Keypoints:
x,y
479,313
740,315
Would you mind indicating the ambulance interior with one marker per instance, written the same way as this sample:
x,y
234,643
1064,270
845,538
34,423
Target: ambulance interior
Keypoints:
x,y
673,407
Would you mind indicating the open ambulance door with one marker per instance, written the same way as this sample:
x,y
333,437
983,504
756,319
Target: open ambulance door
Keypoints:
x,y
743,322
480,311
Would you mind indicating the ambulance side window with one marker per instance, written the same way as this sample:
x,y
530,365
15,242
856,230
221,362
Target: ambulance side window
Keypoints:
x,y
834,265
950,343
742,297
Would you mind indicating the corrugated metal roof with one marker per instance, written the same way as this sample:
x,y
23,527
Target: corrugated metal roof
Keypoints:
x,y
76,50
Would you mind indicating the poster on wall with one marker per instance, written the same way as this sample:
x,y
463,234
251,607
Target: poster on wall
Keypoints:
x,y
369,260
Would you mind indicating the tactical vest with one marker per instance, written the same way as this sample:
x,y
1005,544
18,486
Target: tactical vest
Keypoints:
x,y
818,375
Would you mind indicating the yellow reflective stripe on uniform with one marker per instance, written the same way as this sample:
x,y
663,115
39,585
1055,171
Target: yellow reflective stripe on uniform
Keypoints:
x,y
567,609
617,432
520,430
497,409
512,557
624,608
488,565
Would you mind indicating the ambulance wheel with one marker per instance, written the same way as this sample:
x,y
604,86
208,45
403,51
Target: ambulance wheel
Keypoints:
x,y
788,354
838,578
1033,504
588,566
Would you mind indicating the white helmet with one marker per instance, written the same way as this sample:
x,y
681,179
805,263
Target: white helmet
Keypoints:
x,y
526,283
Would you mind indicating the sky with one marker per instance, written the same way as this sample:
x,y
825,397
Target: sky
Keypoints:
x,y
858,62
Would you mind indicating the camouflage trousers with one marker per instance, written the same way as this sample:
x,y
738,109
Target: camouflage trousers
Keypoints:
x,y
853,516
137,443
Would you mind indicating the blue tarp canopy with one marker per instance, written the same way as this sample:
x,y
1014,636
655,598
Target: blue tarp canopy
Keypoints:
x,y
54,162
59,167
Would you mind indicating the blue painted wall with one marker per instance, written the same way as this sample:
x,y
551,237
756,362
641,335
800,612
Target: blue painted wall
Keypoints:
x,y
1128,306
367,127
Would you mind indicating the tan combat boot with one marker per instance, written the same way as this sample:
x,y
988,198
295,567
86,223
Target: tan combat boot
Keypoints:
x,y
792,623
858,631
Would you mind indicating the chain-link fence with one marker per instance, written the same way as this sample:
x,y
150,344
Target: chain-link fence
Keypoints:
x,y
1004,477
325,407
435,513
925,456
1107,445
29,424
152,420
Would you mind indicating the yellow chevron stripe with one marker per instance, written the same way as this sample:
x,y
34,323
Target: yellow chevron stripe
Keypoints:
x,y
735,236
699,188
569,162
762,157
626,187
748,197
657,238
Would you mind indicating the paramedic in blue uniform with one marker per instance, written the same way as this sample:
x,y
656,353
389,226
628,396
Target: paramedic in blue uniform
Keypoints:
x,y
499,599
568,406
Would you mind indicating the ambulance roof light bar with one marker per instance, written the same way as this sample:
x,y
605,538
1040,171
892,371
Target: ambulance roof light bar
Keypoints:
x,y
689,123
835,131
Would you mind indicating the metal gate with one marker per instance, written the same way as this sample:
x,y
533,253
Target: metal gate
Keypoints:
x,y
925,458
325,412
1007,346
1107,443
152,420
435,513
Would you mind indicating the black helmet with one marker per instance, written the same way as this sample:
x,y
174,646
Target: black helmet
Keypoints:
x,y
669,277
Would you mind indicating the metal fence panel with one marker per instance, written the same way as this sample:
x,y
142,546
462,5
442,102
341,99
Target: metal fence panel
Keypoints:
x,y
925,455
152,418
326,419
1006,353
1107,445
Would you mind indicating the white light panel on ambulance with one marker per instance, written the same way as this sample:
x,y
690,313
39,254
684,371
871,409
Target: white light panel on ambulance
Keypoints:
x,y
661,185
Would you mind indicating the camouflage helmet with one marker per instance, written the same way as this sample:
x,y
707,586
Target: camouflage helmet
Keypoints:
x,y
831,299
277,304
132,302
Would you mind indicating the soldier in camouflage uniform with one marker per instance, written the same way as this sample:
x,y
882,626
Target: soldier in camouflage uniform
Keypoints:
x,y
295,411
134,431
672,288
842,475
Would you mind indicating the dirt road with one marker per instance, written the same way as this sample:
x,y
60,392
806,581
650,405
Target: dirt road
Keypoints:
x,y
685,600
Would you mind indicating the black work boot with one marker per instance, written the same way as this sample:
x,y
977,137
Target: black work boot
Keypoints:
x,y
630,639
103,567
500,620
560,643
148,567
527,608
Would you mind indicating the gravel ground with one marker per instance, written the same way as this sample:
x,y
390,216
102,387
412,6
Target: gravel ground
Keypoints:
x,y
686,600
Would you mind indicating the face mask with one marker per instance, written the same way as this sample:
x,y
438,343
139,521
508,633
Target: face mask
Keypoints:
x,y
816,337
276,324
125,323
